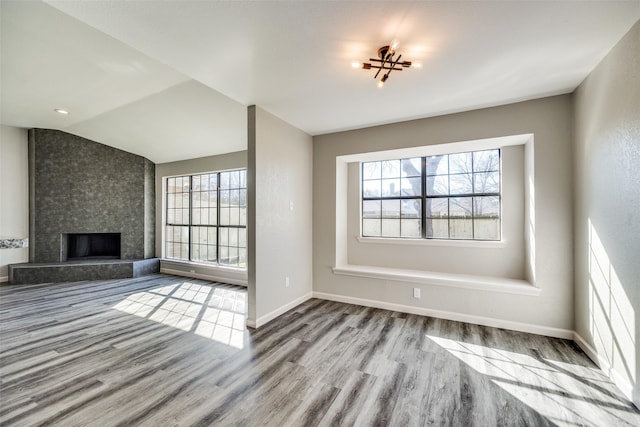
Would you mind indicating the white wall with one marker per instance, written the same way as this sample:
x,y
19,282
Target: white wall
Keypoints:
x,y
280,216
607,213
550,311
14,194
220,162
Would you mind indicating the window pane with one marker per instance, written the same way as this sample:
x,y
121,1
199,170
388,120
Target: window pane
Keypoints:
x,y
195,183
412,167
437,208
410,227
371,189
233,237
195,252
243,178
461,183
234,215
242,237
233,256
391,169
224,236
224,216
411,186
438,185
371,170
437,165
488,206
460,228
437,228
196,216
171,201
371,227
390,187
460,207
242,257
391,228
243,215
486,228
391,209
171,185
371,208
224,255
224,180
460,163
486,161
411,208
488,182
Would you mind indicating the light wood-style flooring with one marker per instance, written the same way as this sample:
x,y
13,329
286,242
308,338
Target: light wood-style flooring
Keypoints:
x,y
162,351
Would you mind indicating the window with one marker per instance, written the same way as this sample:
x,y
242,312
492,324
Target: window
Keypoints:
x,y
207,218
449,196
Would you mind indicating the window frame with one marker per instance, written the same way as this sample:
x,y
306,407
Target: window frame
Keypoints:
x,y
424,198
217,225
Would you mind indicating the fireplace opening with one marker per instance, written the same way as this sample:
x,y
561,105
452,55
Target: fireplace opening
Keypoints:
x,y
93,246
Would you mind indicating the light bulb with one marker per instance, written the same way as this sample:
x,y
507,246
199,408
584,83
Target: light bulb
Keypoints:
x,y
394,44
61,111
355,64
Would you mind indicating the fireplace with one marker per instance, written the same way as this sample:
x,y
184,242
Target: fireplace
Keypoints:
x,y
88,246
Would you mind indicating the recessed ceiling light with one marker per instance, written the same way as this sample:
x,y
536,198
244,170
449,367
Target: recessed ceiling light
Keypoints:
x,y
61,111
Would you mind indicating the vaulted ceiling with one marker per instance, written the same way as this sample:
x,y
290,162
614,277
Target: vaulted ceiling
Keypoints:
x,y
171,80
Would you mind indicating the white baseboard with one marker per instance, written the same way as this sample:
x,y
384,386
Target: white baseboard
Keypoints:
x,y
4,279
622,383
478,320
263,320
211,277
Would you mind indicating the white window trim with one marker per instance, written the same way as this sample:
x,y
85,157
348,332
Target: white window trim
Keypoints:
x,y
474,282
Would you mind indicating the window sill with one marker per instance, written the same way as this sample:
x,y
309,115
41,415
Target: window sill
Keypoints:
x,y
477,283
203,265
433,242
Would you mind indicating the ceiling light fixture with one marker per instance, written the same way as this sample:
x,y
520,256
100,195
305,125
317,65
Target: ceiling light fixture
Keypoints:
x,y
61,111
386,61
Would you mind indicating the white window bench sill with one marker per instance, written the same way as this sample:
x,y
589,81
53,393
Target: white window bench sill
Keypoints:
x,y
480,283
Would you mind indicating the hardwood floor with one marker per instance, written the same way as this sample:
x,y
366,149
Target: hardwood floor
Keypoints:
x,y
162,350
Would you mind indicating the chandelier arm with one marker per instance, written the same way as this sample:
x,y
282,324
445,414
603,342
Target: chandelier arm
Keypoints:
x,y
385,68
384,60
393,65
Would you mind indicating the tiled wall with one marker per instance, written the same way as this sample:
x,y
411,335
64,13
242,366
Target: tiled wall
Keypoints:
x,y
81,186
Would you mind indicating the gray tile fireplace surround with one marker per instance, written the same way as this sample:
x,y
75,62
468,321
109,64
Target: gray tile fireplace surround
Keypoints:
x,y
81,187
75,271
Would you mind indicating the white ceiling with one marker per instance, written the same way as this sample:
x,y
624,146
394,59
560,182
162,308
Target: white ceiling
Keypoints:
x,y
171,80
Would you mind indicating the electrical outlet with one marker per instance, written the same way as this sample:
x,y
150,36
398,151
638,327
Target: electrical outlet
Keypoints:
x,y
416,292
286,282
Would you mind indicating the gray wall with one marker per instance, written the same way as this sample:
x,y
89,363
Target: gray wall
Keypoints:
x,y
236,160
607,212
14,195
280,216
81,186
550,312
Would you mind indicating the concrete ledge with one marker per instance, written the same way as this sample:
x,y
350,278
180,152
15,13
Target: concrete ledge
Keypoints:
x,y
32,273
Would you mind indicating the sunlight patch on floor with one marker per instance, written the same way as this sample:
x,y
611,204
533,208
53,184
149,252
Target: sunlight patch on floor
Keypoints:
x,y
560,391
208,311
